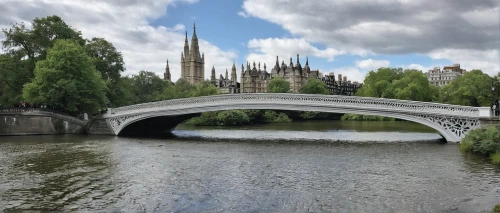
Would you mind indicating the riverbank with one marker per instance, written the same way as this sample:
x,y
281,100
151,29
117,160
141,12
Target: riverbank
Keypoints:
x,y
483,142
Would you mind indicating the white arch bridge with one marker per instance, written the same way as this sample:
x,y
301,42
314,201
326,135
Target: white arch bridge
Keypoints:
x,y
451,121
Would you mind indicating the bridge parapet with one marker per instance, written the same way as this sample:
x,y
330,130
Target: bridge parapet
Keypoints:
x,y
42,111
381,104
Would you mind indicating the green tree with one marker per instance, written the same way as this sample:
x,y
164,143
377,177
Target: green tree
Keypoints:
x,y
67,79
471,89
278,85
35,42
24,47
14,73
314,86
147,86
109,62
376,82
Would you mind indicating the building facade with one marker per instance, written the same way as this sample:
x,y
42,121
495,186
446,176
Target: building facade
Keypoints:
x,y
341,86
439,77
254,80
225,84
192,63
295,74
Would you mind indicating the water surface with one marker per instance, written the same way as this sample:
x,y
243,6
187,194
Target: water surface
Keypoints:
x,y
386,167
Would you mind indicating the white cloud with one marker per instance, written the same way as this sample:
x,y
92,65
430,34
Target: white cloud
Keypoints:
x,y
266,50
126,25
487,61
352,73
371,64
392,26
243,14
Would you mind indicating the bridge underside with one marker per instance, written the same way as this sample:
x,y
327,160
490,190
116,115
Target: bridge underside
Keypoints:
x,y
155,126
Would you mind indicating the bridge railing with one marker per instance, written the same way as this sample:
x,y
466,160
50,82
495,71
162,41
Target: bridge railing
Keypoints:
x,y
308,99
44,111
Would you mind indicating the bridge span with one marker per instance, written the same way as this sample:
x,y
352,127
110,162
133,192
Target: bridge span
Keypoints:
x,y
451,121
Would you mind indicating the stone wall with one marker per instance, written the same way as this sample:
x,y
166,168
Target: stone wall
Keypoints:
x,y
37,124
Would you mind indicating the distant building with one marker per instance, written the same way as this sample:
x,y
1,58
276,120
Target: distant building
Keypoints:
x,y
296,75
254,80
439,77
224,84
166,75
192,63
341,86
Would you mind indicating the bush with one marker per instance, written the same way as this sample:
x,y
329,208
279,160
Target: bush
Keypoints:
x,y
273,117
495,158
496,209
482,141
232,118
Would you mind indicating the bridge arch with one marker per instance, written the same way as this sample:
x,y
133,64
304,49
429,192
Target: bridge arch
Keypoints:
x,y
451,121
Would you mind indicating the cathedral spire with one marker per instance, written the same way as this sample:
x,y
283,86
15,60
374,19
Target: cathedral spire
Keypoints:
x,y
212,77
277,61
194,32
166,75
226,75
298,59
307,60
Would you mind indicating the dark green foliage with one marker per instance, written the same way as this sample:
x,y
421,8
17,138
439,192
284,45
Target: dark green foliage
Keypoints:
x,y
482,141
314,86
147,86
109,62
398,84
14,73
232,118
471,89
67,79
278,85
183,89
271,116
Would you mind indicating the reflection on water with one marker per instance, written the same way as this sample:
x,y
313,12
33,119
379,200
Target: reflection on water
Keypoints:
x,y
116,174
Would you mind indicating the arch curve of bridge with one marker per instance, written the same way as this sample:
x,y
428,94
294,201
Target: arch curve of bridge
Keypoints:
x,y
451,121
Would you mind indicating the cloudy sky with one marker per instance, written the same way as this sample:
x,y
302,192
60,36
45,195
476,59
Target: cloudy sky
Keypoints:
x,y
348,37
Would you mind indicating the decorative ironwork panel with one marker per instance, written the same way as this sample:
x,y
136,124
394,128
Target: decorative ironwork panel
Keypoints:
x,y
457,126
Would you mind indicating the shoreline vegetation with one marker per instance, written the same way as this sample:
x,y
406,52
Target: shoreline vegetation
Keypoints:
x,y
483,142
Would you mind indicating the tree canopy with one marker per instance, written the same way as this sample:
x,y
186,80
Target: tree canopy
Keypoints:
x,y
278,85
68,80
315,86
471,89
398,84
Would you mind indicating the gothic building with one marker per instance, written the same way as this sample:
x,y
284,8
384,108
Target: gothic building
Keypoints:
x,y
254,80
192,63
341,86
166,75
225,84
295,74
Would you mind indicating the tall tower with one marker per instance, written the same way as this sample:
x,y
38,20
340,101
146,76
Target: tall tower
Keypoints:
x,y
212,77
192,62
166,75
233,74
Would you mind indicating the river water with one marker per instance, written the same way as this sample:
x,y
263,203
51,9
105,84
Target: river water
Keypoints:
x,y
336,166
